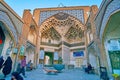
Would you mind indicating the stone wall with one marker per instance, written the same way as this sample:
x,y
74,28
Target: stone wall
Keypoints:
x,y
65,54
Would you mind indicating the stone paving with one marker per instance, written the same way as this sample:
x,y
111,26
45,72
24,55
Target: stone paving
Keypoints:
x,y
71,74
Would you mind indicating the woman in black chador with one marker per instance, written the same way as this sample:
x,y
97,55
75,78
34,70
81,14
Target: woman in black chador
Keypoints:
x,y
1,62
7,66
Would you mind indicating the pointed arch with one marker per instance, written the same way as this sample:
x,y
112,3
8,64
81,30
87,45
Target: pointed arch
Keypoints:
x,y
63,25
32,35
59,20
9,25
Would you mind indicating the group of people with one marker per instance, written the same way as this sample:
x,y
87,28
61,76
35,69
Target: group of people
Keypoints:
x,y
20,69
6,65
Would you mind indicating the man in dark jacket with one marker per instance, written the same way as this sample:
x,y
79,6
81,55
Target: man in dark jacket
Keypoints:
x,y
1,62
89,67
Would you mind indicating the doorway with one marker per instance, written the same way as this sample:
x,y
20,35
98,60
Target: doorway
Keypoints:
x,y
115,61
48,58
79,62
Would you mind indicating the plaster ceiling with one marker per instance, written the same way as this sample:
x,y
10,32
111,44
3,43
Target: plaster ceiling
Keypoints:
x,y
51,33
62,25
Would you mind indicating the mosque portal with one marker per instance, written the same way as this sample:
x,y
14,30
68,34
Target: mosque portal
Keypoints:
x,y
62,33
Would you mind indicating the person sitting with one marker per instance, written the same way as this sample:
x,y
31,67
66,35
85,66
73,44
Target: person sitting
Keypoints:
x,y
16,76
89,68
29,65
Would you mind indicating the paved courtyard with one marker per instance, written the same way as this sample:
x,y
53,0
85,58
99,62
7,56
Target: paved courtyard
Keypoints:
x,y
71,74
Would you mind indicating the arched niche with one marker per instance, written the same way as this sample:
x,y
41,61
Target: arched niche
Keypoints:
x,y
110,39
6,40
32,35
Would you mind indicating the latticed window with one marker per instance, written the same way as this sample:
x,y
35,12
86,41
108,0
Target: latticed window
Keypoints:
x,y
115,59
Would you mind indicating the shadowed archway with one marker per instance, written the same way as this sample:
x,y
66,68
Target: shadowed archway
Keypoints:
x,y
111,38
2,38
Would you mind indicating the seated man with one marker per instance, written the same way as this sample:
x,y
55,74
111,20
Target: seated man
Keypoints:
x,y
89,68
29,65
